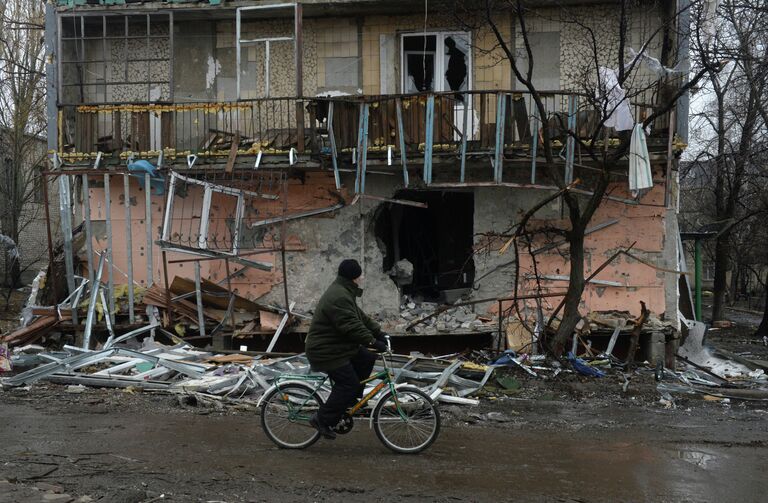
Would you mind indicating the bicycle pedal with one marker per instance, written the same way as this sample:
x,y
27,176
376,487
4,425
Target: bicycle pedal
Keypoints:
x,y
345,424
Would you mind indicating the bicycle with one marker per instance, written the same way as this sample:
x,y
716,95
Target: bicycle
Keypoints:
x,y
405,419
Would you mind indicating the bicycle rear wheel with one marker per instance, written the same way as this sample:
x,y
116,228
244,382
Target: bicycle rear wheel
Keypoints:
x,y
406,422
285,414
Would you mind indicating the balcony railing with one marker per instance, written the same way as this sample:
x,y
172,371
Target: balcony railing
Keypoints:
x,y
385,130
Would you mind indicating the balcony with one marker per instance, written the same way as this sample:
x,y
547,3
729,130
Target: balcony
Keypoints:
x,y
447,137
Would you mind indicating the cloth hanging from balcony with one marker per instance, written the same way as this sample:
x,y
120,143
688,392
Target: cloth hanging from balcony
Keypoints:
x,y
640,176
614,102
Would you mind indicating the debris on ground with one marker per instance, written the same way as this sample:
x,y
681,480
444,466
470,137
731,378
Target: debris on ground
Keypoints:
x,y
430,318
182,369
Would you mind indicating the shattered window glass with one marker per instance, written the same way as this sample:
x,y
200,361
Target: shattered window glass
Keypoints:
x,y
436,62
456,62
419,57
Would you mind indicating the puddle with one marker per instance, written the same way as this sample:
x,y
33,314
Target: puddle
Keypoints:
x,y
698,458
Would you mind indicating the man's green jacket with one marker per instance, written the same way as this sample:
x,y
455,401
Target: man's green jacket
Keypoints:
x,y
339,327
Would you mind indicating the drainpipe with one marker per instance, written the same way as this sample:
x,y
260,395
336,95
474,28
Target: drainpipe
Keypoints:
x,y
698,277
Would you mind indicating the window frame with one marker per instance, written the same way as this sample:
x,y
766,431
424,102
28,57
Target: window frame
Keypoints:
x,y
440,66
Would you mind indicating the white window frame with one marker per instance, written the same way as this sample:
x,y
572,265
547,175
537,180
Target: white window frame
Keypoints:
x,y
240,42
209,189
439,84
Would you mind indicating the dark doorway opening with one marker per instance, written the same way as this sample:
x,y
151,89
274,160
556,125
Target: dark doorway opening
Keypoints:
x,y
437,241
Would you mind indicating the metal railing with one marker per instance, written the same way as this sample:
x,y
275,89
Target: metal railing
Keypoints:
x,y
349,129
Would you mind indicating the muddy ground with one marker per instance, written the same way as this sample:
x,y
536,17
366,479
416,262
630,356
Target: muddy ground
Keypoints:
x,y
566,439
115,446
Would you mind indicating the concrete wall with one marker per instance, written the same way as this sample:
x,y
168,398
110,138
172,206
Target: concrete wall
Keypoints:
x,y
577,25
496,211
321,242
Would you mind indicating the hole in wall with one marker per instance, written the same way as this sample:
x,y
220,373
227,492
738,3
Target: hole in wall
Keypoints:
x,y
437,242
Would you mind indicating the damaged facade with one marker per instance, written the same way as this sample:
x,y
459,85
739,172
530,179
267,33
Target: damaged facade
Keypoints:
x,y
254,146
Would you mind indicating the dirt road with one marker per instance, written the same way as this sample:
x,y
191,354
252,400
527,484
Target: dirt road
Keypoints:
x,y
137,449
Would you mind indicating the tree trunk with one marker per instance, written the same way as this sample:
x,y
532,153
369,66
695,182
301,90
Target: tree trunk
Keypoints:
x,y
722,246
762,330
571,314
735,280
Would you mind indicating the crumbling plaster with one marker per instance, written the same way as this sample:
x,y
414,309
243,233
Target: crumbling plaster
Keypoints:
x,y
330,240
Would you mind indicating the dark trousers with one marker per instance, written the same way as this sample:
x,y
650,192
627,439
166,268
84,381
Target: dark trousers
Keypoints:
x,y
346,389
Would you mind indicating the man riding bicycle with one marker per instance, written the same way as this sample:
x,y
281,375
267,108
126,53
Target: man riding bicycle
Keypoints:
x,y
336,344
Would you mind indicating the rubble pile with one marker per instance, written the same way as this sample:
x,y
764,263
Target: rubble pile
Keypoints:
x,y
460,318
86,310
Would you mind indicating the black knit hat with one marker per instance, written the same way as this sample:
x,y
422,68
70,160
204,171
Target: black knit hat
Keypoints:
x,y
350,269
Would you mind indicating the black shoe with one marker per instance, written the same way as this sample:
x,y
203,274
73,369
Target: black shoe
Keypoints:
x,y
324,430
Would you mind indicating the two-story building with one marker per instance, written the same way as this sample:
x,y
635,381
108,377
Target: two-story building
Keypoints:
x,y
288,136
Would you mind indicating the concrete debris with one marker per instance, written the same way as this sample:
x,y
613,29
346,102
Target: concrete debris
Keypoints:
x,y
714,374
498,417
450,319
402,272
597,320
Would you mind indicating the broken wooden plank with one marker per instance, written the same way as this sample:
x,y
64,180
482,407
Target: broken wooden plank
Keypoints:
x,y
634,340
233,358
232,154
404,202
51,311
31,332
215,295
269,321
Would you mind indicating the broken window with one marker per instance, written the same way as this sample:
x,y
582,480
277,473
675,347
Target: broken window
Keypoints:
x,y
428,251
436,62
264,45
115,58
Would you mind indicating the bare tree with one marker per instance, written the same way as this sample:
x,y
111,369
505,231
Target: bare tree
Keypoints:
x,y
22,119
730,129
603,77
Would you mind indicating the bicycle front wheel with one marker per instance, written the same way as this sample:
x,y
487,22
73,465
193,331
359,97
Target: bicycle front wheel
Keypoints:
x,y
407,421
285,414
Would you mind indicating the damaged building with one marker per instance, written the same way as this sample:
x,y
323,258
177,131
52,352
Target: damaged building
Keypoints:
x,y
216,160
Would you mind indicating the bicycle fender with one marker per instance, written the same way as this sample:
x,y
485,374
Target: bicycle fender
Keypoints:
x,y
274,387
397,386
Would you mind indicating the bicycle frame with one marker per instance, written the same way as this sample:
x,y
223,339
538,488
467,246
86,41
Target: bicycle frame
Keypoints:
x,y
385,375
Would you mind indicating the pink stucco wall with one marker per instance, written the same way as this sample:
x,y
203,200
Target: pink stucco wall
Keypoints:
x,y
642,223
253,283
